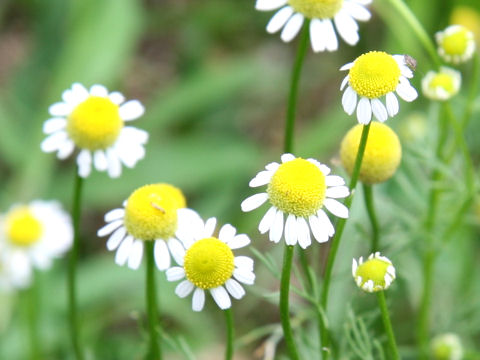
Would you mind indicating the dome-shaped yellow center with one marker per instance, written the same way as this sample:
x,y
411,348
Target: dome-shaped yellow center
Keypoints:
x,y
297,187
375,270
382,153
444,81
95,123
209,263
374,74
151,211
456,43
23,228
317,9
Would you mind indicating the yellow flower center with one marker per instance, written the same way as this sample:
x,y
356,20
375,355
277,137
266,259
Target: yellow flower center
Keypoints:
x,y
297,187
375,270
95,123
443,81
374,74
317,9
151,211
23,228
456,43
382,153
209,263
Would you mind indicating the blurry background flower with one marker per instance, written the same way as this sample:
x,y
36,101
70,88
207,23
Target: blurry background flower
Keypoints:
x,y
441,85
456,44
447,347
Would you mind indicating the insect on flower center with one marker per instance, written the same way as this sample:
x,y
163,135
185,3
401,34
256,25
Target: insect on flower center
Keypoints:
x,y
23,228
374,74
317,9
456,43
443,81
95,123
297,187
209,263
151,211
375,270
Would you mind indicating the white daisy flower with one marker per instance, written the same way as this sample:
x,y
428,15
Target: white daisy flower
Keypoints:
x,y
208,263
447,347
298,190
152,213
372,76
323,14
94,121
456,44
441,85
31,236
375,274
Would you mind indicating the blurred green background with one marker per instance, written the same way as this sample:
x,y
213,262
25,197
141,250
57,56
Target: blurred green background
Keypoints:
x,y
214,84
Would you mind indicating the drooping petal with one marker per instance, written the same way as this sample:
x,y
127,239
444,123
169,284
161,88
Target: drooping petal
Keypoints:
x,y
337,192
184,288
254,202
364,111
304,239
392,104
109,228
267,220
161,255
115,239
379,110
198,299
336,208
349,100
292,27
276,229
291,230
221,297
279,19
131,110
235,289
136,254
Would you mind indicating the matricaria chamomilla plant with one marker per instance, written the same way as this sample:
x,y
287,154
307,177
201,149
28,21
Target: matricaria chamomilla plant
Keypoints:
x,y
441,85
456,44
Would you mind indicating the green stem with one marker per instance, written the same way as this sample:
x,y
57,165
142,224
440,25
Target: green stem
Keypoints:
x,y
325,336
284,307
72,268
293,95
32,314
388,325
472,91
368,196
154,352
230,334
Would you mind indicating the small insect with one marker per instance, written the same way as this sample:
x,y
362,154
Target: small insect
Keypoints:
x,y
410,62
158,207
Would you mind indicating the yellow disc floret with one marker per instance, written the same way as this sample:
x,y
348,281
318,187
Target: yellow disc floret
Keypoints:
x,y
456,43
373,270
317,9
23,227
297,187
382,153
374,74
444,81
209,263
95,123
151,211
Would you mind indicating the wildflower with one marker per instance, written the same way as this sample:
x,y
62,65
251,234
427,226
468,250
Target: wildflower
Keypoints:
x,y
94,121
441,85
292,14
208,263
32,236
375,274
298,189
447,347
382,155
372,76
455,44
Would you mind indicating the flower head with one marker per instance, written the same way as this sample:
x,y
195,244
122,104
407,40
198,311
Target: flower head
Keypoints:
x,y
323,14
375,274
455,44
94,122
372,76
441,85
151,213
382,155
298,189
31,236
207,263
447,347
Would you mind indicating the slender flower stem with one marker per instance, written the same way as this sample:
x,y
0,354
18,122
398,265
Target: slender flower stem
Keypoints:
x,y
32,314
230,334
154,352
388,325
72,268
368,196
284,307
325,336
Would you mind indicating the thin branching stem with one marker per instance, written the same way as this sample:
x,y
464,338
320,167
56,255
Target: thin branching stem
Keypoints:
x,y
388,325
368,197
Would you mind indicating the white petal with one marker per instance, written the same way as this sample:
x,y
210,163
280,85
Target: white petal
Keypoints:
x,y
291,230
239,241
336,208
100,160
116,97
337,192
80,93
65,149
184,288
124,251
379,110
273,166
344,83
243,262
246,277
304,239
364,111
114,214
115,239
347,27
161,255
98,90
287,157
198,299
54,142
406,91
334,180
279,19
349,100
60,109
221,297
276,229
177,250
325,222
114,165
319,233
109,228
135,135
175,273
392,104
209,227
267,220
330,37
357,11
292,27
262,178
227,233
136,253
317,37
267,5
131,110
84,163
347,66
54,124
235,289
254,202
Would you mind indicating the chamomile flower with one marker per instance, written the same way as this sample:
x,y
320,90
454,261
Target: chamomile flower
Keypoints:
x,y
441,85
94,122
208,264
447,347
323,14
153,212
371,77
375,274
455,44
298,190
31,236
